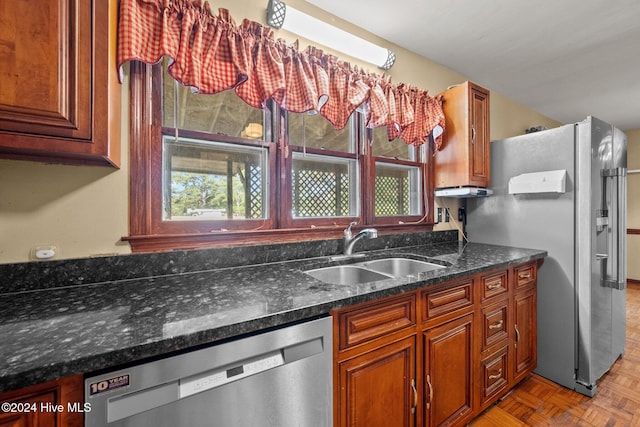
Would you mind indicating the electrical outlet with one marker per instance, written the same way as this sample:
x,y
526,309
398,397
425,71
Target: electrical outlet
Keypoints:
x,y
446,215
439,219
43,252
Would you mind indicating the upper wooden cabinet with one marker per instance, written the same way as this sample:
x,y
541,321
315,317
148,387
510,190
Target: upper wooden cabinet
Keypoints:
x,y
464,159
59,93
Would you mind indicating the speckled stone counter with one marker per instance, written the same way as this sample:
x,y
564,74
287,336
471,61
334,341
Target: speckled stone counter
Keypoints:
x,y
55,331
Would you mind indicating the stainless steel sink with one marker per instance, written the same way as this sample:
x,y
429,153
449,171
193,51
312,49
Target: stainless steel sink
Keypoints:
x,y
370,271
346,275
399,267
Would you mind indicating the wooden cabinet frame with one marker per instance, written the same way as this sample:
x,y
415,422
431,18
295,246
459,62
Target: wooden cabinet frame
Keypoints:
x,y
66,108
66,391
464,158
464,332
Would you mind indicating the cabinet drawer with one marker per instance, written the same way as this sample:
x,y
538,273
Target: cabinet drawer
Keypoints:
x,y
494,374
495,284
438,303
525,275
375,320
494,329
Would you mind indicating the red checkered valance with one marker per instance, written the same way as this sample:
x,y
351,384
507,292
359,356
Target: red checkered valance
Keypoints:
x,y
211,53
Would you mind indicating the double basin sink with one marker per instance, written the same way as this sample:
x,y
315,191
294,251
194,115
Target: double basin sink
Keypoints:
x,y
371,271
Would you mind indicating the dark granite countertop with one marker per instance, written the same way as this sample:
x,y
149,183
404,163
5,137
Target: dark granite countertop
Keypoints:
x,y
59,331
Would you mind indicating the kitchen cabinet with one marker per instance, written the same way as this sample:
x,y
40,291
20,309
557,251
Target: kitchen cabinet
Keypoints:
x,y
436,356
464,158
52,404
495,321
60,98
448,372
384,375
524,328
375,361
448,337
508,351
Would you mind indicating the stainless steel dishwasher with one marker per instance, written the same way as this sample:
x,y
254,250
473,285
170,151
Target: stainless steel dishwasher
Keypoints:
x,y
279,378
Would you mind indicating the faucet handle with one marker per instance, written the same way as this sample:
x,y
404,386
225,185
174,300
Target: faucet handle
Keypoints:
x,y
347,231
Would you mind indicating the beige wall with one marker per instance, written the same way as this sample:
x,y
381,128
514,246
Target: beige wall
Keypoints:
x,y
633,204
84,210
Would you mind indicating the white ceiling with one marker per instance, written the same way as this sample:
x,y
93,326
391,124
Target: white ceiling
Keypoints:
x,y
566,59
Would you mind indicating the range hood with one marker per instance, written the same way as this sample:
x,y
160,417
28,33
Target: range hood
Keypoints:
x,y
463,192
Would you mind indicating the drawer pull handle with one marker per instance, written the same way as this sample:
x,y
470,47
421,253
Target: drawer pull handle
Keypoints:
x,y
495,285
428,404
415,396
526,275
496,376
497,325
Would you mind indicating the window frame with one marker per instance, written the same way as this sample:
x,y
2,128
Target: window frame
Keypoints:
x,y
148,232
286,215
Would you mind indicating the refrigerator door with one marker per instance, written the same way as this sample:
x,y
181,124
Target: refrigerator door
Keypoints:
x,y
543,221
600,248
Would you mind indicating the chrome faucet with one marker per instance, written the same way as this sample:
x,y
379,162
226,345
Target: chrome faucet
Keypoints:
x,y
350,240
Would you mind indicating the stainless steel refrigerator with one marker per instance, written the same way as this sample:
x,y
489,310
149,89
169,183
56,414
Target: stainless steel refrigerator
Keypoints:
x,y
564,190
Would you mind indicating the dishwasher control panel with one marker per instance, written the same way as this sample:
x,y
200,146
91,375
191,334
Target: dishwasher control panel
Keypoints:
x,y
209,380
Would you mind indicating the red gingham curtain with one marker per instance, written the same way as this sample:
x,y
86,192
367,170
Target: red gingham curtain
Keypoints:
x,y
211,53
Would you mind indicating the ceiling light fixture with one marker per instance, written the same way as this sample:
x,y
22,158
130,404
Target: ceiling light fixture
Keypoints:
x,y
253,130
279,15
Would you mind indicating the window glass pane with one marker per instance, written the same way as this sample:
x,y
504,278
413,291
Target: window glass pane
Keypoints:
x,y
223,113
396,149
211,180
397,190
314,131
323,186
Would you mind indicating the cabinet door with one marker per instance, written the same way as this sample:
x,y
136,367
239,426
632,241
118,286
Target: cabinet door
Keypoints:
x,y
464,157
377,389
525,341
479,162
448,372
59,96
30,412
45,405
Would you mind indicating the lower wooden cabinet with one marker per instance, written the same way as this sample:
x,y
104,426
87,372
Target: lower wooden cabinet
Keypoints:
x,y
448,372
377,388
525,340
437,356
494,376
52,404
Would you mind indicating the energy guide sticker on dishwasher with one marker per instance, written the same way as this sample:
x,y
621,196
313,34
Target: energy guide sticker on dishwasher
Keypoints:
x,y
109,384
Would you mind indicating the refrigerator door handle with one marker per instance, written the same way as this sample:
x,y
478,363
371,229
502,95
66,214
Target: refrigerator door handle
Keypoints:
x,y
617,240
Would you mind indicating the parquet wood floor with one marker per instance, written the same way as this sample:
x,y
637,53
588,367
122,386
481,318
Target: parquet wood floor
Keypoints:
x,y
537,401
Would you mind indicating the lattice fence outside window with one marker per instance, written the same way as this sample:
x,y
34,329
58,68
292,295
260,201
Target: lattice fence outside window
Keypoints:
x,y
392,195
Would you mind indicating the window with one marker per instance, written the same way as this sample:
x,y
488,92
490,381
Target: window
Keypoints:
x,y
324,172
398,177
211,170
213,180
